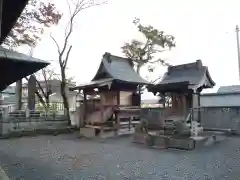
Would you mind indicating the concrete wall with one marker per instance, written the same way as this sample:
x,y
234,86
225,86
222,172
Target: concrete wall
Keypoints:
x,y
211,117
221,117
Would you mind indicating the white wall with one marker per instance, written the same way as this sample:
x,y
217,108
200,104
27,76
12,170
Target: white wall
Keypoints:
x,y
125,98
58,98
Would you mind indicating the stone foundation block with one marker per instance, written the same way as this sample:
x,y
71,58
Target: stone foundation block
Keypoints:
x,y
88,132
181,143
140,138
160,141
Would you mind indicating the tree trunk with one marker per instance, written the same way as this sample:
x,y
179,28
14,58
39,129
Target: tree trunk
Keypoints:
x,y
47,105
64,96
138,72
138,68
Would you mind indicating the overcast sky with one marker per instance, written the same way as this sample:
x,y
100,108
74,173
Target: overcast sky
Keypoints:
x,y
203,29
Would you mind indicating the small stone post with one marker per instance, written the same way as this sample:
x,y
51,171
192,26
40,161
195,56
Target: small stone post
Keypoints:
x,y
18,95
31,92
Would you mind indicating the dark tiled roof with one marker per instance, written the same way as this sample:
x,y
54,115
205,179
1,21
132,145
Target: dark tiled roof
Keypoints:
x,y
227,99
194,73
114,68
118,68
191,74
229,89
17,66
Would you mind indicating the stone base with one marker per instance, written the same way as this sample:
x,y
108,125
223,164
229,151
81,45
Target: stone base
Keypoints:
x,y
163,141
87,132
181,143
90,132
107,134
160,141
202,141
140,138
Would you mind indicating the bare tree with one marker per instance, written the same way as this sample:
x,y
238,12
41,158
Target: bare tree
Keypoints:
x,y
44,89
64,51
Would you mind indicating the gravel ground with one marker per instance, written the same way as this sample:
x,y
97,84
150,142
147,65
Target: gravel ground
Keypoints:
x,y
66,157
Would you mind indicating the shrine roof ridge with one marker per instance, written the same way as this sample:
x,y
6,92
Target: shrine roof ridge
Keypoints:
x,y
118,68
195,74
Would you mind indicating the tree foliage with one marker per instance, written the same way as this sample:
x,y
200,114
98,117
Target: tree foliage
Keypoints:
x,y
146,52
30,26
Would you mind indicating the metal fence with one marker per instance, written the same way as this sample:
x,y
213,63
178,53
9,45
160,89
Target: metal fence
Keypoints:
x,y
56,106
23,116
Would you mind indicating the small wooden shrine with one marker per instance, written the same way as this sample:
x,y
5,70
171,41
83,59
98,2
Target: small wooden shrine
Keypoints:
x,y
182,85
179,125
116,84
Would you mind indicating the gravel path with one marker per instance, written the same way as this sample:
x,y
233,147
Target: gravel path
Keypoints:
x,y
66,157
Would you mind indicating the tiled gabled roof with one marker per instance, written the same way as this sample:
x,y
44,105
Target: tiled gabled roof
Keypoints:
x,y
191,75
114,68
118,68
229,89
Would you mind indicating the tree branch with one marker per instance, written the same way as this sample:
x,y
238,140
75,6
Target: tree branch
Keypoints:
x,y
161,61
67,56
156,79
58,48
40,87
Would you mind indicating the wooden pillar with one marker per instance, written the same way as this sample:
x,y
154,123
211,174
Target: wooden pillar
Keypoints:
x,y
102,106
199,110
195,106
184,105
84,106
174,102
140,95
118,98
117,115
164,100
